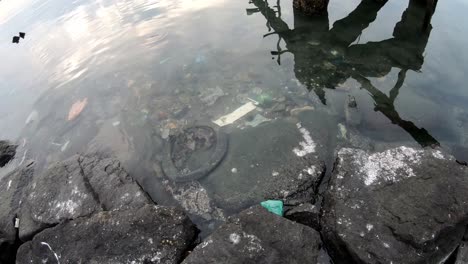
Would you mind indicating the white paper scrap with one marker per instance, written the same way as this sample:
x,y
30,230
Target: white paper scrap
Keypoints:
x,y
234,116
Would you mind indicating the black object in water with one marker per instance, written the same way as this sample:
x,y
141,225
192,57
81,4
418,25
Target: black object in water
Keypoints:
x,y
191,142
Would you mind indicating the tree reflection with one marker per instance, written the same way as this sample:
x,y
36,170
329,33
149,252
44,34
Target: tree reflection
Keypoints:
x,y
325,57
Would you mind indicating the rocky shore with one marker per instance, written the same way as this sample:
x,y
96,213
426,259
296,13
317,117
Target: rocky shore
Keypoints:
x,y
399,205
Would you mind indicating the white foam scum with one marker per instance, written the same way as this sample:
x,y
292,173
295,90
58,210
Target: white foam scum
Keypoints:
x,y
307,146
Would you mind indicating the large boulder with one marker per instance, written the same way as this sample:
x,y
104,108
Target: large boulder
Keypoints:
x,y
402,205
282,159
11,194
150,234
77,187
462,253
258,236
7,152
13,187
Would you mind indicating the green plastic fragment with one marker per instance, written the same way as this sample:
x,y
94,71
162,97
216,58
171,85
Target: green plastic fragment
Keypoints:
x,y
265,100
273,206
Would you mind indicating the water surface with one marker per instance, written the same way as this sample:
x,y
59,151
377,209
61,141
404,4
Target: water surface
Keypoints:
x,y
148,67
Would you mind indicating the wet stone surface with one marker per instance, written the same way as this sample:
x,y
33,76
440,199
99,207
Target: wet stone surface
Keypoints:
x,y
7,152
257,236
150,234
283,159
77,187
402,205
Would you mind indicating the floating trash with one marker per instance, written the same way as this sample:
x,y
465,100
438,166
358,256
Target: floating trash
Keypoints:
x,y
200,58
265,100
258,119
313,43
32,117
65,146
297,111
352,101
77,108
211,95
342,131
235,115
273,206
164,60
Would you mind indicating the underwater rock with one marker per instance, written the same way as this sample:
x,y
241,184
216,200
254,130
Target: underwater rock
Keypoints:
x,y
194,199
402,205
278,160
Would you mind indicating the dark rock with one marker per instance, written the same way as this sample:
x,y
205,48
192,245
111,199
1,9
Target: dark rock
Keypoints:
x,y
257,236
403,205
462,254
13,186
306,214
194,199
281,160
7,152
150,234
7,251
79,186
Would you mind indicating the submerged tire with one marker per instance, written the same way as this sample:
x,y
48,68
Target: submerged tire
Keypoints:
x,y
177,175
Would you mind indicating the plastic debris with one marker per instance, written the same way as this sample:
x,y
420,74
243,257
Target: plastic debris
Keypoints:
x,y
211,95
200,58
236,115
258,119
17,222
352,101
65,146
352,114
273,206
313,43
342,130
265,100
32,117
253,101
164,60
297,111
234,170
77,108
116,123
165,133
